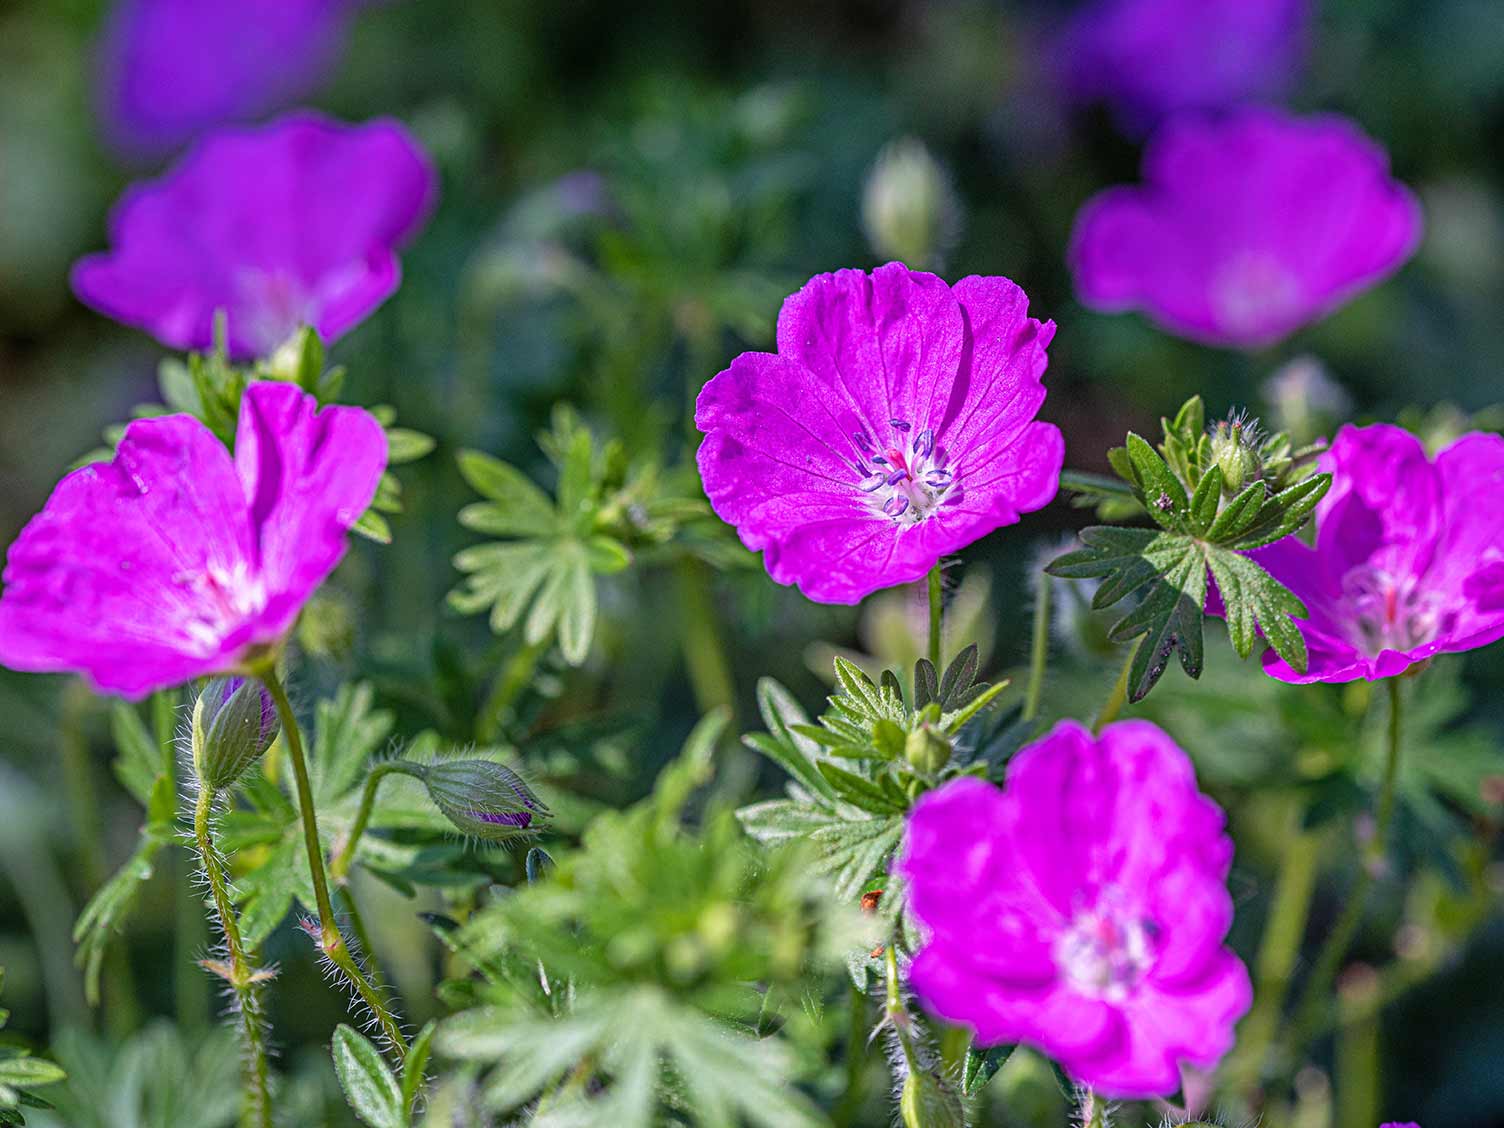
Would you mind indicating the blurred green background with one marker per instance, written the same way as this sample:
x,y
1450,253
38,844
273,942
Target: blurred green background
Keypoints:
x,y
628,191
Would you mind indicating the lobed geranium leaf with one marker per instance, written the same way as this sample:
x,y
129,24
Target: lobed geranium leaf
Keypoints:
x,y
1255,600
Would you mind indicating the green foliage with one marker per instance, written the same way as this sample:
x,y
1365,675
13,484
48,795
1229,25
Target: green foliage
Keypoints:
x,y
369,1085
601,979
605,514
857,772
20,1073
1214,495
145,767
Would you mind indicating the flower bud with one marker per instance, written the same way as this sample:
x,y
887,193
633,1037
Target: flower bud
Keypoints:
x,y
927,750
929,1102
1235,451
908,206
234,723
483,798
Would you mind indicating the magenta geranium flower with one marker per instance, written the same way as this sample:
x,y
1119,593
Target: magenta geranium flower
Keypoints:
x,y
895,424
1246,227
173,69
176,560
1152,58
295,223
1081,909
1409,556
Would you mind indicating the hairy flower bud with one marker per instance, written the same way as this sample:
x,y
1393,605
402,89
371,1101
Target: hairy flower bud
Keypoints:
x,y
929,1102
1236,442
927,750
908,206
483,798
234,723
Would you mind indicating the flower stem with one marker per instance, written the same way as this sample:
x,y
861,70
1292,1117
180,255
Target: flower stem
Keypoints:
x,y
937,612
1093,1112
1039,651
1119,695
331,941
510,682
895,1009
258,1108
339,868
1313,1000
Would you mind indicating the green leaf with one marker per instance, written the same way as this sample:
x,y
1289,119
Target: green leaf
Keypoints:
x,y
1205,500
520,507
576,605
373,526
30,1072
607,555
859,791
370,1089
959,677
1240,514
1255,599
1169,619
404,445
1163,495
849,850
112,902
1284,513
793,752
141,761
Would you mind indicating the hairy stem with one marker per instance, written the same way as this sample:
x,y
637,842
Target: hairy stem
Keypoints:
x,y
257,1107
937,612
705,658
1314,999
1039,650
896,1014
339,868
331,941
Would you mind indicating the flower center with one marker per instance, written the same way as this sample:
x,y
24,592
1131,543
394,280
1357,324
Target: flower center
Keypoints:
x,y
217,600
1389,612
1254,293
907,478
1104,952
274,303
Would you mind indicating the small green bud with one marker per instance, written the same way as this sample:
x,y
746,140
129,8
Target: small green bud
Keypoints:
x,y
927,750
1235,447
908,206
929,1102
234,723
483,798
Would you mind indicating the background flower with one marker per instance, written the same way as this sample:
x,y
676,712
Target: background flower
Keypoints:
x,y
1409,555
1081,909
173,560
1152,58
895,424
293,223
1246,227
172,69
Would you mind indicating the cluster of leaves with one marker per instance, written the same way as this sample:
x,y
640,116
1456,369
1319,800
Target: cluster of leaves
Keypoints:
x,y
605,513
645,970
20,1073
857,772
373,1091
1213,496
208,387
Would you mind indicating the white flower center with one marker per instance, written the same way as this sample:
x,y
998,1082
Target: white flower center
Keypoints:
x,y
1104,953
215,602
1254,292
907,478
1385,611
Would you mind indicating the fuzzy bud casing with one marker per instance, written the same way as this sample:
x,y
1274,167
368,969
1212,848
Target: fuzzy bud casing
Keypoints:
x,y
927,750
928,1102
1235,451
483,798
234,723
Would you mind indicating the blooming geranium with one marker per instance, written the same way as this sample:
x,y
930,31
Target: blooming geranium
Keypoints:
x,y
1408,560
176,560
172,69
289,224
1247,227
895,424
1081,909
1153,58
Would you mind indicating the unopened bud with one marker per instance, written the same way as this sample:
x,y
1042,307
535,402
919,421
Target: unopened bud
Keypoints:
x,y
908,206
927,750
1235,451
483,798
929,1102
234,723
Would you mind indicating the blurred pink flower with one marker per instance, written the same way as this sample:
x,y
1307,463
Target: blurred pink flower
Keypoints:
x,y
894,425
170,70
175,560
1081,909
1246,228
1150,59
293,223
1409,556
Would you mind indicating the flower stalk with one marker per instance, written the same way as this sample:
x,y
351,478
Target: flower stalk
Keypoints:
x,y
331,940
1118,697
1039,649
242,978
937,612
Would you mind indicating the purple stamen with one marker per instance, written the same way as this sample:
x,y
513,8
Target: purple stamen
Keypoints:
x,y
898,424
924,442
867,485
860,439
879,460
895,505
897,476
938,478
